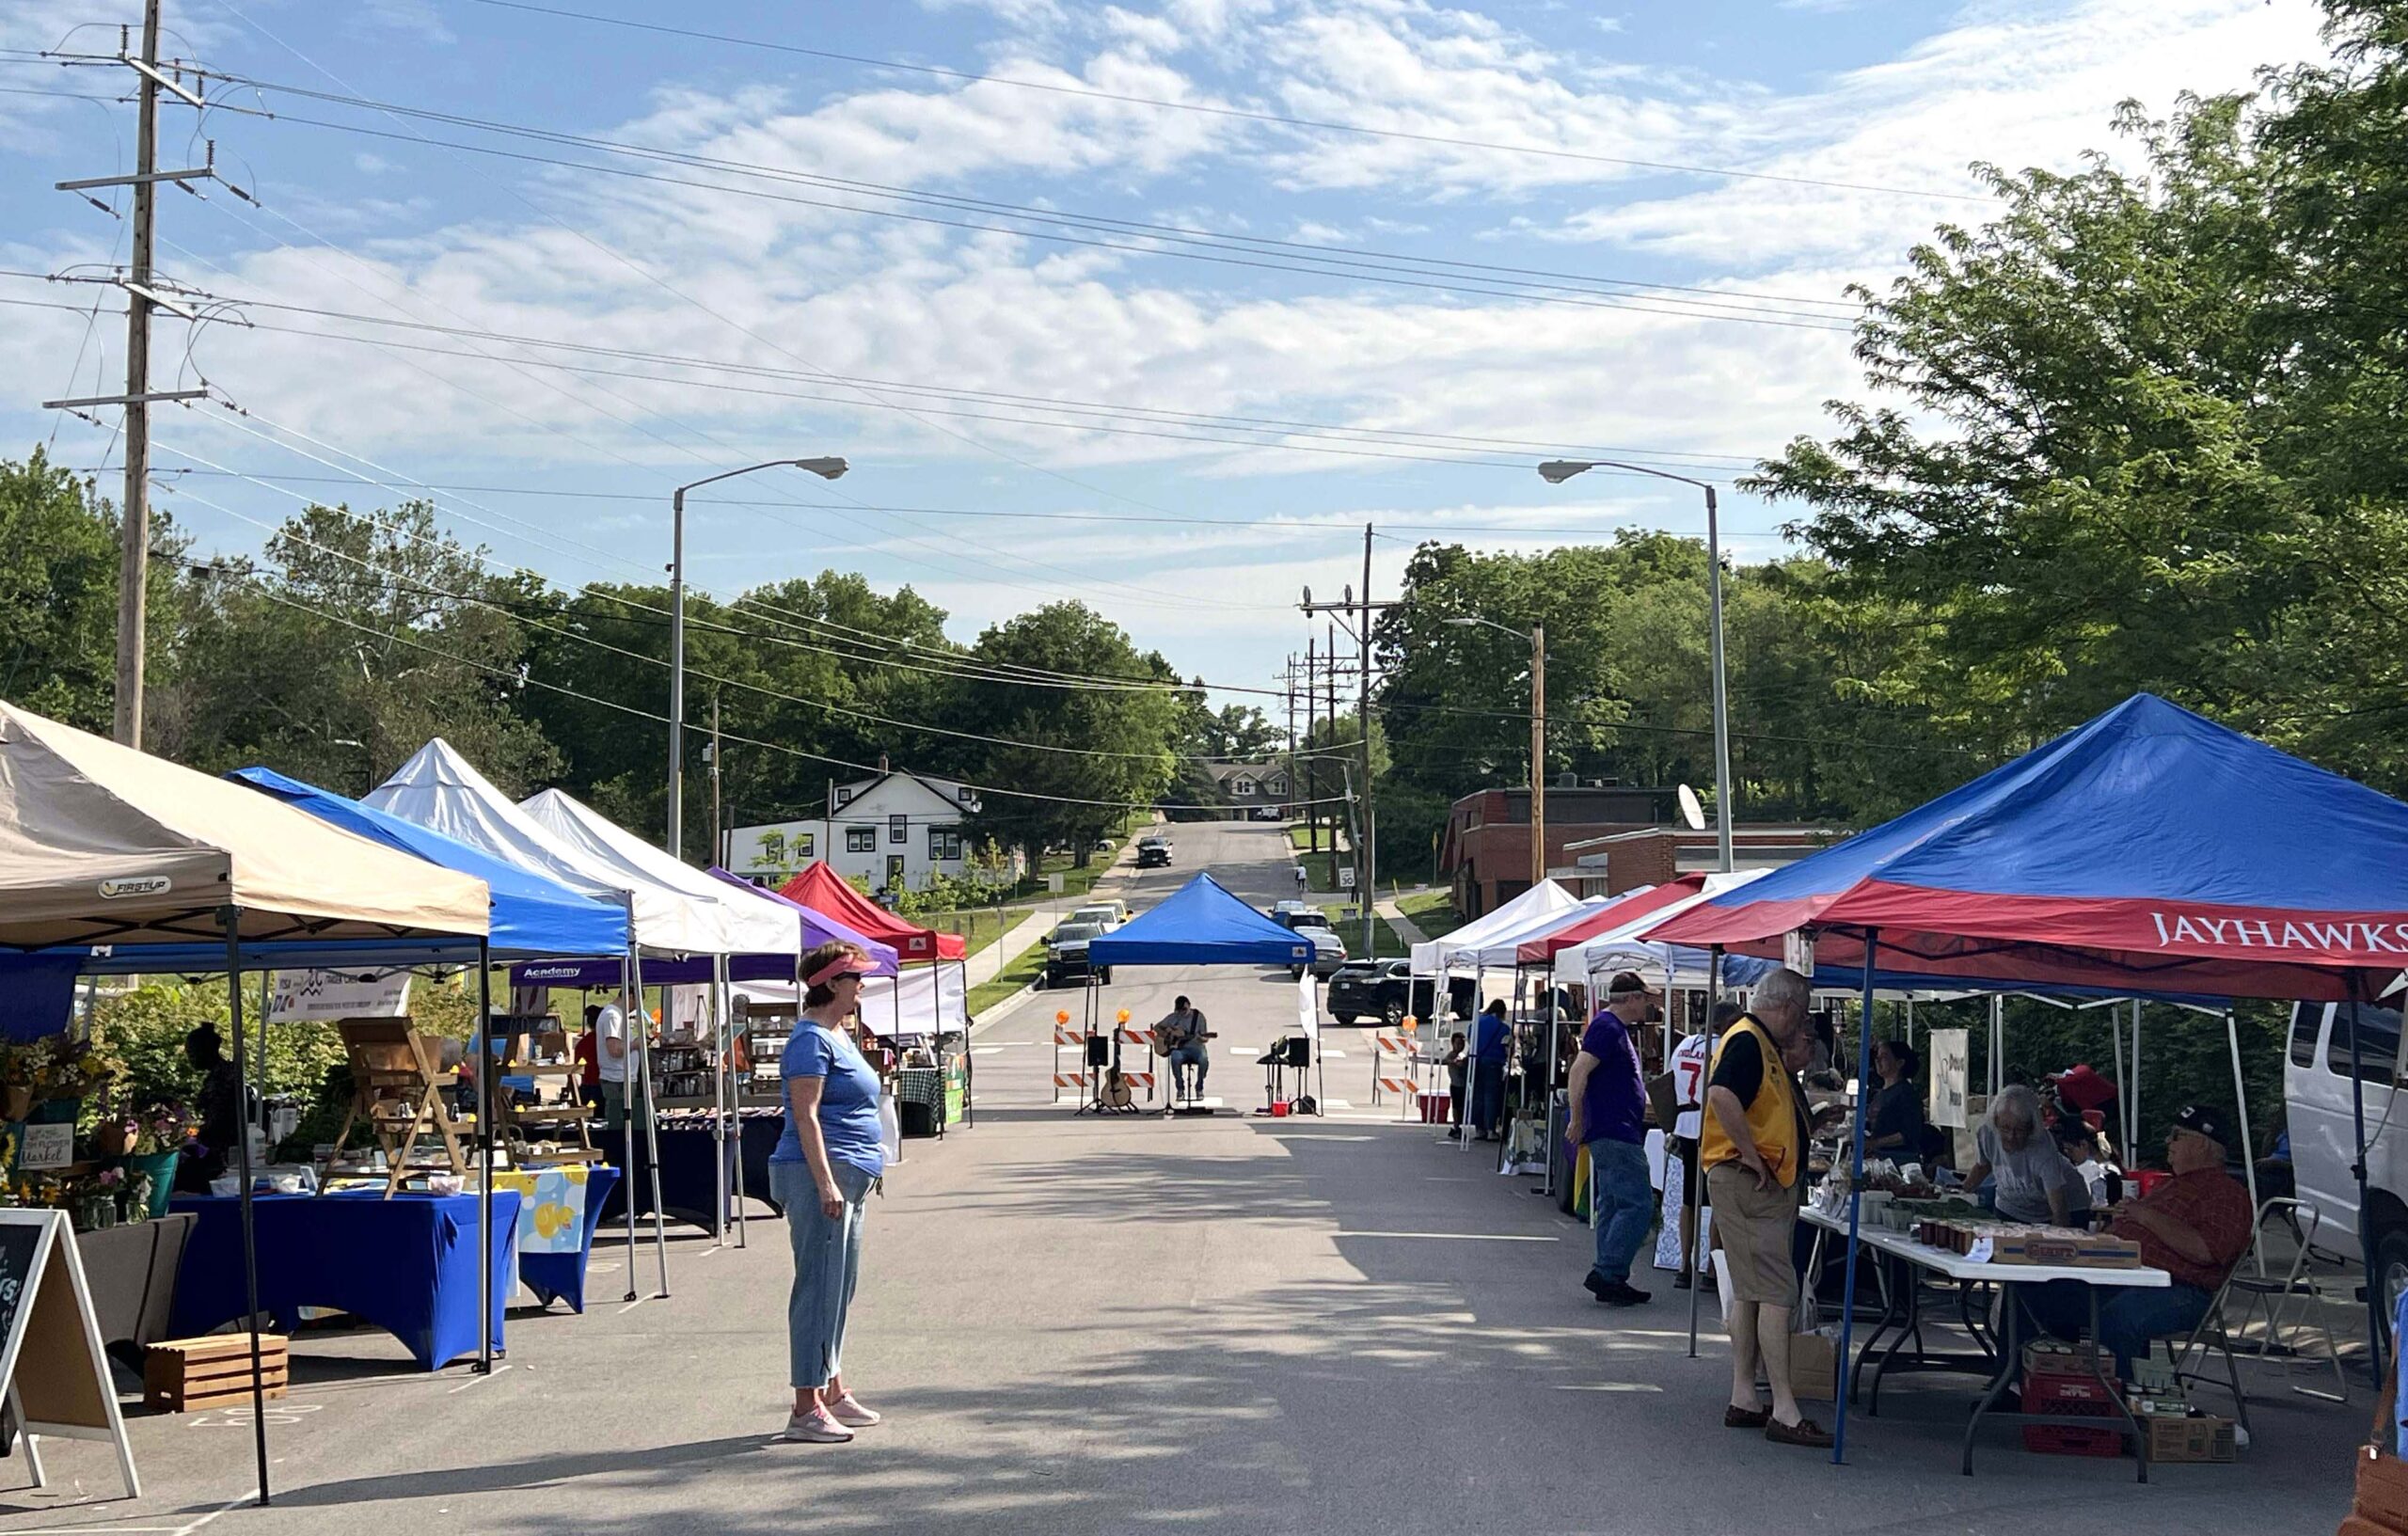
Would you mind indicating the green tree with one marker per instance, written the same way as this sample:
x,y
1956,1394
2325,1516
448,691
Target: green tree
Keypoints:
x,y
58,585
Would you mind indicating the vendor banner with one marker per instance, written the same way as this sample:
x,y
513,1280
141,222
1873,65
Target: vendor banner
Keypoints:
x,y
315,996
1952,1067
551,1207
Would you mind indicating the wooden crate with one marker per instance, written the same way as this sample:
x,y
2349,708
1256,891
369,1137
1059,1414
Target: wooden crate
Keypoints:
x,y
181,1375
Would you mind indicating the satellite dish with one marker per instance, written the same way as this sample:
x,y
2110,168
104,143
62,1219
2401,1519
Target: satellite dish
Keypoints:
x,y
1692,814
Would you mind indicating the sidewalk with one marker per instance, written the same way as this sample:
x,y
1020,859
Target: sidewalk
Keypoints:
x,y
1395,918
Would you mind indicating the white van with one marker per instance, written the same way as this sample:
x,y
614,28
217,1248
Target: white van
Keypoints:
x,y
2316,1092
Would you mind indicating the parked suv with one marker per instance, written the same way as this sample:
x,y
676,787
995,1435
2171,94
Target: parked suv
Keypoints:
x,y
1066,956
1384,992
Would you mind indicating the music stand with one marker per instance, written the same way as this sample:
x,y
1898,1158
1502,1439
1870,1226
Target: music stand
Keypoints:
x,y
1290,1052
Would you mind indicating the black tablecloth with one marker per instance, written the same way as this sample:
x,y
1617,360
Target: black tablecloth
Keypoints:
x,y
131,1271
688,1185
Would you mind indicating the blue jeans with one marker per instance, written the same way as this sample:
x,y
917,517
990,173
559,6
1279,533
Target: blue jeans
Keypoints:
x,y
826,1266
1189,1055
1622,1205
1487,1095
2129,1319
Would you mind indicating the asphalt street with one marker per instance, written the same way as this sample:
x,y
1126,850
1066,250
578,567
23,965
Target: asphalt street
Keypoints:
x,y
1339,1324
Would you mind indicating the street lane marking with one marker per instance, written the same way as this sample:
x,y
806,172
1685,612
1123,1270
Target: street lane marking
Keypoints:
x,y
474,1380
633,1305
1457,1237
1611,1386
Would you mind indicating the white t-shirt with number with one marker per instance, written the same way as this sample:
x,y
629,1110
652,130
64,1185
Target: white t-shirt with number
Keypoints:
x,y
1688,1066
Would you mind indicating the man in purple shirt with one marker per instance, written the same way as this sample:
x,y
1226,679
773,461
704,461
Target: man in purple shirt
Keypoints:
x,y
1608,1117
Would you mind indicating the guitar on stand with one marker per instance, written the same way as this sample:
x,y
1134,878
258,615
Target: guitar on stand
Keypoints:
x,y
1112,1091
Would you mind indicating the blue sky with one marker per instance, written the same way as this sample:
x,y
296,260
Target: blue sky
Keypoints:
x,y
923,351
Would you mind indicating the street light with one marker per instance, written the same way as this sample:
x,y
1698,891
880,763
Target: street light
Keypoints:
x,y
1538,734
1555,472
826,468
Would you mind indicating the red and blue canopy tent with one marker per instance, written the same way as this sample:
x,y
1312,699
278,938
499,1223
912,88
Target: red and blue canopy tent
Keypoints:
x,y
2149,852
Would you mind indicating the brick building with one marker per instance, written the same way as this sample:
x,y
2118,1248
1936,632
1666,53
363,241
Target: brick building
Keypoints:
x,y
1601,839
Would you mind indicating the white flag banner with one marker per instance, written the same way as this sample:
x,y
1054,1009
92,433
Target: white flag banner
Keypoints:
x,y
1952,1062
311,996
1308,1010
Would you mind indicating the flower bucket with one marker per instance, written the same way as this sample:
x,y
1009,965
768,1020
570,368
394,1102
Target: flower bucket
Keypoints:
x,y
114,1139
161,1166
16,1101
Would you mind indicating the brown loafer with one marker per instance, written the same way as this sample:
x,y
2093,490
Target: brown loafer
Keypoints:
x,y
1746,1418
1804,1432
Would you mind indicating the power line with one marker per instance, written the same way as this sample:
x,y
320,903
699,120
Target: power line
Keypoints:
x,y
527,679
520,611
1275,119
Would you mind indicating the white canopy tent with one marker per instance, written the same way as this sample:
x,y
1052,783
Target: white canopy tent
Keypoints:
x,y
922,994
440,789
1431,957
1501,950
748,922
1622,949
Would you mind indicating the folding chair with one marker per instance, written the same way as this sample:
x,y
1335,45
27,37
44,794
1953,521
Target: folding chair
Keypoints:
x,y
2275,1298
2212,1328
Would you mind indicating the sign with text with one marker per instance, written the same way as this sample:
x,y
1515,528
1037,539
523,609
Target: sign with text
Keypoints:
x,y
46,1146
1952,1062
317,996
1797,951
1346,877
51,1367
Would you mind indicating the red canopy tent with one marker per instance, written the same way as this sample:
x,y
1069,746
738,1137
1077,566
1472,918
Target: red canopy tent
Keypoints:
x,y
1614,914
824,891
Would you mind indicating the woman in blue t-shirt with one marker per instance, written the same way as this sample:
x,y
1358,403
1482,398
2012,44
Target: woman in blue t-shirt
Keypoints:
x,y
826,1165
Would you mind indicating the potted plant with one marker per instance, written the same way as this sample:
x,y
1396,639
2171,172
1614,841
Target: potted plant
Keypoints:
x,y
161,1131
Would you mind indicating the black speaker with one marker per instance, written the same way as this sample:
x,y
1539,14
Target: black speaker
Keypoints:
x,y
1295,1051
1099,1051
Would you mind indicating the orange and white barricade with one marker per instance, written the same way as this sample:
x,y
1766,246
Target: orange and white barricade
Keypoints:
x,y
1396,1067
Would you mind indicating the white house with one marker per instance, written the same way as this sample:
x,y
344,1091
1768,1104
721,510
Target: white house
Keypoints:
x,y
1252,788
896,828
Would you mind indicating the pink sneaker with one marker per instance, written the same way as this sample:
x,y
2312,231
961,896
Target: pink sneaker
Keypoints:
x,y
816,1428
848,1410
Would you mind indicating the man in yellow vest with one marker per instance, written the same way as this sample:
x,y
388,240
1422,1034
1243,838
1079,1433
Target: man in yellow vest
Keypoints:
x,y
1755,1155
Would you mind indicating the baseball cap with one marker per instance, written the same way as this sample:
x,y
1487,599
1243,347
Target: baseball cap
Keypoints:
x,y
2200,1121
1624,982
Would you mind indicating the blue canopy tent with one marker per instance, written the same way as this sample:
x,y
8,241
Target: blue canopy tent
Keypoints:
x,y
2133,853
1198,923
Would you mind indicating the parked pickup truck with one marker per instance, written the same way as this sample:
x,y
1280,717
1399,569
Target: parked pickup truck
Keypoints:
x,y
1383,991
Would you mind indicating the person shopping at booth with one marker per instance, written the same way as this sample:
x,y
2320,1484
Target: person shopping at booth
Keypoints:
x,y
2195,1226
829,1157
1608,1117
1492,1045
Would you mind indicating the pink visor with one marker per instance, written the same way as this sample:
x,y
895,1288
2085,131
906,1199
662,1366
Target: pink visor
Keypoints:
x,y
849,965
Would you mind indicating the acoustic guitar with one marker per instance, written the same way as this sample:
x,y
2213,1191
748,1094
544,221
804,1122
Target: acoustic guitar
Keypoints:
x,y
1164,1048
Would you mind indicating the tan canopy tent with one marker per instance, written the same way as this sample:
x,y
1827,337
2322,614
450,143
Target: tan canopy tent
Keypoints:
x,y
103,844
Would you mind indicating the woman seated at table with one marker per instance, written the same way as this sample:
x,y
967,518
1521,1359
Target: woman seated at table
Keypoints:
x,y
1894,1123
2035,1183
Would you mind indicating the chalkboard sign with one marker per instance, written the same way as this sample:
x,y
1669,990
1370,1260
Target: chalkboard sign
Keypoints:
x,y
51,1367
19,1246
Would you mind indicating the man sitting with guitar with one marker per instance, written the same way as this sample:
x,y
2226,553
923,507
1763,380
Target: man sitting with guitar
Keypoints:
x,y
1181,1037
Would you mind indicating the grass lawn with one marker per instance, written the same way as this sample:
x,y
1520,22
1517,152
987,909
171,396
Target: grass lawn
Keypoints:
x,y
1300,837
978,925
1011,978
1432,912
1385,945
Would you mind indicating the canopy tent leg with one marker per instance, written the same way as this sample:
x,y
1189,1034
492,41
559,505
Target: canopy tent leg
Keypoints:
x,y
2123,1086
2378,1325
1701,1275
1855,1205
2248,1151
627,1130
1997,1042
736,1099
488,1107
969,1057
640,1024
230,919
2132,1134
1547,1082
719,1102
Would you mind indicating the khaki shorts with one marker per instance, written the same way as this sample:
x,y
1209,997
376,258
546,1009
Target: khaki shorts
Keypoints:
x,y
1755,1229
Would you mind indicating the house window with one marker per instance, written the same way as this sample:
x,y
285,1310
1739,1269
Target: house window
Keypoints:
x,y
861,840
898,828
1242,786
944,843
843,797
962,793
1279,784
806,847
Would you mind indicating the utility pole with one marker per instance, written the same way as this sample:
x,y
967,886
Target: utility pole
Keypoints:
x,y
1312,807
718,834
1538,755
1365,860
1289,674
134,562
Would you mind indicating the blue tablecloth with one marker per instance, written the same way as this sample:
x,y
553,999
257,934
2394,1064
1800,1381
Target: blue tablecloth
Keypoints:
x,y
561,1276
408,1264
